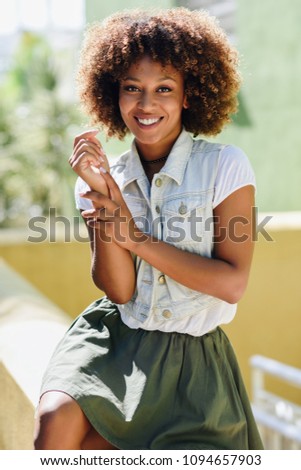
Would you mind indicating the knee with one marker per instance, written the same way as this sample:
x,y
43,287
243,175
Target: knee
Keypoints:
x,y
55,412
46,423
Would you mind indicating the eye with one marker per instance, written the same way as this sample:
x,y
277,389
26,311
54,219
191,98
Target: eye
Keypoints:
x,y
164,89
131,88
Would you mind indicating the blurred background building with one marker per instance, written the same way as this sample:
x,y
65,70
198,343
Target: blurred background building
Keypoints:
x,y
39,117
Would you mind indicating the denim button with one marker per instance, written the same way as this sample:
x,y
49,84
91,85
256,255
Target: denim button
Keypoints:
x,y
182,209
161,279
158,182
158,209
167,314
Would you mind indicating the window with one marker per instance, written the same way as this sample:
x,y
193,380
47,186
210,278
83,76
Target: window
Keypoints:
x,y
224,10
61,21
38,15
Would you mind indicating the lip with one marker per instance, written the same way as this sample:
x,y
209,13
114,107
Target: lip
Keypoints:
x,y
147,118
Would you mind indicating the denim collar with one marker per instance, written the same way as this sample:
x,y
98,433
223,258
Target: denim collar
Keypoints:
x,y
174,167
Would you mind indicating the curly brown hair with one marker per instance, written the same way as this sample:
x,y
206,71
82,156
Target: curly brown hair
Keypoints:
x,y
191,41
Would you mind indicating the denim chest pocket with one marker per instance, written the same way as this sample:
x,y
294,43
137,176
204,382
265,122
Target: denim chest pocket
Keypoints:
x,y
138,208
186,218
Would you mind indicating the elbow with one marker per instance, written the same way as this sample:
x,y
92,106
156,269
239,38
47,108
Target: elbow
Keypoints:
x,y
117,294
235,293
119,298
232,298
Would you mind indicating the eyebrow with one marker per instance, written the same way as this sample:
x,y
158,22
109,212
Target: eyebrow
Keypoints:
x,y
161,79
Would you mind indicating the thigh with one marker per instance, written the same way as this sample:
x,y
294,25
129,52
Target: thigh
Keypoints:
x,y
94,441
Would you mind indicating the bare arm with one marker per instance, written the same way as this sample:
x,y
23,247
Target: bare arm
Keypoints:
x,y
225,275
112,266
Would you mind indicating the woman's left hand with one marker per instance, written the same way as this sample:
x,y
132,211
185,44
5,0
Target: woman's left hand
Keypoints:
x,y
111,215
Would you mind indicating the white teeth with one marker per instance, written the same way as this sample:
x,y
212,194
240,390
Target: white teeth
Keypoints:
x,y
148,122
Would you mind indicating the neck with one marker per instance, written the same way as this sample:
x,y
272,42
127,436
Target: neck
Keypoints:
x,y
158,151
157,160
149,153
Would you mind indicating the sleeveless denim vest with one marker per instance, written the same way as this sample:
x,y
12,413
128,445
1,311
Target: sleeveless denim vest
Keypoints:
x,y
177,207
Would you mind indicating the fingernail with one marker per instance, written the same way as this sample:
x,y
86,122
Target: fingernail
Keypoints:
x,y
102,169
82,194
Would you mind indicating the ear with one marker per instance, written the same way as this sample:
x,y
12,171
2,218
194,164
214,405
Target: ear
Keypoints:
x,y
185,103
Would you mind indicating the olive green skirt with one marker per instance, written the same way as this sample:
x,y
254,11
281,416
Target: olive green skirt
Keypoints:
x,y
153,390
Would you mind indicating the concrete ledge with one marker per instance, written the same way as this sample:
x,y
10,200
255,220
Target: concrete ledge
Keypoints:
x,y
16,414
30,328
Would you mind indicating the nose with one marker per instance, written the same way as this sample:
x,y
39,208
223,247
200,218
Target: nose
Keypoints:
x,y
146,101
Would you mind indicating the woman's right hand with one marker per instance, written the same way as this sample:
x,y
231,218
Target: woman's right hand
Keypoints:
x,y
87,158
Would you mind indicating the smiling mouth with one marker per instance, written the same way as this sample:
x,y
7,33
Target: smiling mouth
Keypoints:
x,y
148,122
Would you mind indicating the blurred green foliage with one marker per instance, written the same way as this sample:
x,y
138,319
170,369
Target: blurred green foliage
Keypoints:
x,y
37,127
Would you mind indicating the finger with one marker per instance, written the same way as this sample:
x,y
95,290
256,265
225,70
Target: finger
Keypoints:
x,y
85,135
97,147
84,156
101,227
89,213
92,223
98,214
86,163
102,152
94,196
100,201
95,141
88,146
91,147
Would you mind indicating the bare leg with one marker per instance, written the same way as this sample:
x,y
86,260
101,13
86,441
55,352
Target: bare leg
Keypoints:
x,y
62,425
93,441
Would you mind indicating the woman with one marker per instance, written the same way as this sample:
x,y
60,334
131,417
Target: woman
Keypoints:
x,y
148,366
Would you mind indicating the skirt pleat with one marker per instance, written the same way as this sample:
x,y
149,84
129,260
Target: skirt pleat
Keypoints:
x,y
153,390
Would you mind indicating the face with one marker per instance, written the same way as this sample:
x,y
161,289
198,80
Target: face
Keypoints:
x,y
151,100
